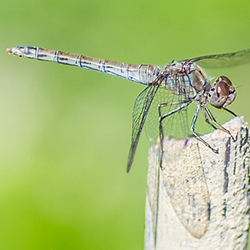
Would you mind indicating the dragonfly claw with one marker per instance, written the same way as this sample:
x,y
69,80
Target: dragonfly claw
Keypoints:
x,y
234,139
216,150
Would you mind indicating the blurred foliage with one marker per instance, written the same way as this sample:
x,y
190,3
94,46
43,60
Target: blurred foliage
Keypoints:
x,y
65,132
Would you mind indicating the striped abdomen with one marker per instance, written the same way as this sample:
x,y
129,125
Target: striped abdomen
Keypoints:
x,y
141,73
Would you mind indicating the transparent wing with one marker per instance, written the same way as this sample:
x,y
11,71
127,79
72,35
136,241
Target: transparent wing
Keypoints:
x,y
140,111
186,186
223,60
176,125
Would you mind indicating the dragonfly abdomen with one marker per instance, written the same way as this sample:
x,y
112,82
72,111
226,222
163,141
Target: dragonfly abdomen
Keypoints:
x,y
141,73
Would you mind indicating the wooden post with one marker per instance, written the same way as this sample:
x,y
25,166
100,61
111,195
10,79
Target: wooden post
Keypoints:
x,y
199,199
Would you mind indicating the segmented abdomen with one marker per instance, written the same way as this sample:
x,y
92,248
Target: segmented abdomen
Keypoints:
x,y
141,73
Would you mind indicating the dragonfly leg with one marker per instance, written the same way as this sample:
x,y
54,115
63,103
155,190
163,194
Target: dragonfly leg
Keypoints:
x,y
231,112
161,118
196,135
207,119
207,111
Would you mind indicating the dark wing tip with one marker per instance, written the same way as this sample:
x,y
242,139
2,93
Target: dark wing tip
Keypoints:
x,y
131,157
130,161
129,166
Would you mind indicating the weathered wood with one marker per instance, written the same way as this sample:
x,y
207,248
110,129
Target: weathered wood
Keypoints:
x,y
199,199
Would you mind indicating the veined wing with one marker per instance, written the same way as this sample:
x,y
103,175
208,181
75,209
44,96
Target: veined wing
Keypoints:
x,y
183,177
140,111
176,125
223,60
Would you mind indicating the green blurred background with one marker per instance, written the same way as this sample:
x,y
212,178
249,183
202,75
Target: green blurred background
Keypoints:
x,y
65,132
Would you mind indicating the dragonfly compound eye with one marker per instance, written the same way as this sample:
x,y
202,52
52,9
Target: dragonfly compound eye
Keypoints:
x,y
222,93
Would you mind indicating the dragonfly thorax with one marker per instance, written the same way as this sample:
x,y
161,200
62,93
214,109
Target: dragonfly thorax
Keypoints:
x,y
222,93
185,79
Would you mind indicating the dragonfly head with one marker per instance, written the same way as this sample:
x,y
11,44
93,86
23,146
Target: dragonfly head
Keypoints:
x,y
222,93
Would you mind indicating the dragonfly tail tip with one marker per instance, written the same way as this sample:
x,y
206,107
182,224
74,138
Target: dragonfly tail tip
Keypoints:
x,y
9,50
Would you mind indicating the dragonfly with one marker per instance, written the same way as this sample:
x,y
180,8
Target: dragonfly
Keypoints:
x,y
169,91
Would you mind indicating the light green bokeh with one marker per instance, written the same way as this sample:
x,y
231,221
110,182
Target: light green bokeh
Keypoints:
x,y
65,132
